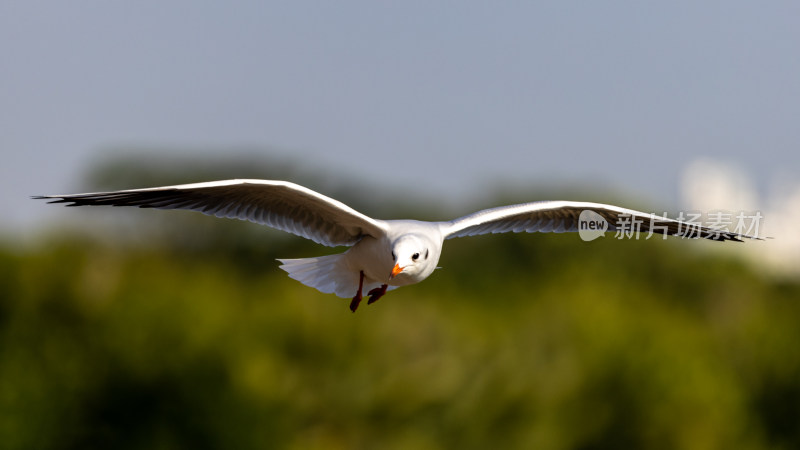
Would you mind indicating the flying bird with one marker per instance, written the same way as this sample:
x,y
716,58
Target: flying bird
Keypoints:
x,y
383,254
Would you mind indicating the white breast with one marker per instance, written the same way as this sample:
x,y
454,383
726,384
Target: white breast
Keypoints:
x,y
374,257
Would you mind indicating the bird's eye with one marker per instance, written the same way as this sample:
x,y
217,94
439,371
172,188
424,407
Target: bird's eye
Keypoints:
x,y
415,256
394,257
426,253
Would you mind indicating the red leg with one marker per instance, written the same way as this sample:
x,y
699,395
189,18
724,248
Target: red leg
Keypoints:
x,y
377,293
357,298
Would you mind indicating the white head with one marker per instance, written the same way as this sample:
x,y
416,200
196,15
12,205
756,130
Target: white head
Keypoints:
x,y
414,257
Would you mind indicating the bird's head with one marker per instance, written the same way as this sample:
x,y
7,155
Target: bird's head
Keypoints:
x,y
412,257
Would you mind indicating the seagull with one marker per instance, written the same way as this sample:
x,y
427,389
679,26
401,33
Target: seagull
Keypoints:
x,y
383,254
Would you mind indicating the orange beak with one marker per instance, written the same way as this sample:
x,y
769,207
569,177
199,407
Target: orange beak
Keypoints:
x,y
395,270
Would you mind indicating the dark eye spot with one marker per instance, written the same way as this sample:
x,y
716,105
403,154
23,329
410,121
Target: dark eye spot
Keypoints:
x,y
394,257
415,256
426,253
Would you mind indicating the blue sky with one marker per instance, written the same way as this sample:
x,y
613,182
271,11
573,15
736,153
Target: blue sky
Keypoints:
x,y
449,98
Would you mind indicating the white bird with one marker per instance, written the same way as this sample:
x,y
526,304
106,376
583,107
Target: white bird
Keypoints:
x,y
383,254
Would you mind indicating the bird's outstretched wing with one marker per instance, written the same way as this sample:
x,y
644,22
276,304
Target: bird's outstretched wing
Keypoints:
x,y
278,204
563,216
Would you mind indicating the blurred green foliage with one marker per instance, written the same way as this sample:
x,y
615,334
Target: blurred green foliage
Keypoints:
x,y
191,337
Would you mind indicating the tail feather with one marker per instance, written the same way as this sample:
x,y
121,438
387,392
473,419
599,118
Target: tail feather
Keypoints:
x,y
328,274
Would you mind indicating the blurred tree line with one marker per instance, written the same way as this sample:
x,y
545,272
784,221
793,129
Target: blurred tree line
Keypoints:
x,y
164,329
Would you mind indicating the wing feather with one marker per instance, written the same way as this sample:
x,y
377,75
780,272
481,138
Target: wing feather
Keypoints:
x,y
562,216
278,204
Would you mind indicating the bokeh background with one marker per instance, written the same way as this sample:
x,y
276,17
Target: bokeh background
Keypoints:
x,y
152,329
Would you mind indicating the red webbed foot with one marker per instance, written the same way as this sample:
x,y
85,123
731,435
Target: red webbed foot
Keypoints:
x,y
377,293
357,297
355,302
